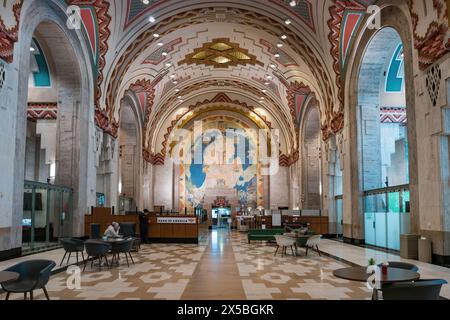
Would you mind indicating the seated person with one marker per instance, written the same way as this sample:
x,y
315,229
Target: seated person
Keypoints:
x,y
112,231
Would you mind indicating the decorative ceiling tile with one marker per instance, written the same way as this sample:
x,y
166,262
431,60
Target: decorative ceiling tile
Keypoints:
x,y
136,8
42,111
220,53
303,10
9,28
393,115
170,84
350,24
284,59
271,86
156,57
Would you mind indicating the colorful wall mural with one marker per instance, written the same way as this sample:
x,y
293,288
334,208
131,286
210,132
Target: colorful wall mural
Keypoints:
x,y
228,168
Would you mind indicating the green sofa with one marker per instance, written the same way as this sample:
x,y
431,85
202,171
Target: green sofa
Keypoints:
x,y
264,234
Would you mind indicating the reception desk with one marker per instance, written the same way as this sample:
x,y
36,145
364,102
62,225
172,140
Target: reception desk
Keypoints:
x,y
173,229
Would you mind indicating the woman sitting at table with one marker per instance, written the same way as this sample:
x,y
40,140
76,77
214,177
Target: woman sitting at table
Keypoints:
x,y
113,230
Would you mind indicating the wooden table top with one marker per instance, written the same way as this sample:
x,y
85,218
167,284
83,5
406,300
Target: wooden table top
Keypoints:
x,y
393,275
7,276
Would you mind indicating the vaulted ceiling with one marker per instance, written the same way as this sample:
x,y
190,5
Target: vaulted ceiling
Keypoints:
x,y
193,51
269,57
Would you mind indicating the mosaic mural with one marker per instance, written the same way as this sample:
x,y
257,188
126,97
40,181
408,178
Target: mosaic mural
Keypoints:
x,y
228,168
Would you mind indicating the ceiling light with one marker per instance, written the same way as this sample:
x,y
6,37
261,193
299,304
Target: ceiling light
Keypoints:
x,y
160,44
181,100
177,90
151,19
284,37
293,3
269,77
32,49
264,91
145,1
174,82
273,66
180,97
168,64
172,76
288,22
156,35
164,54
277,55
267,83
279,45
262,98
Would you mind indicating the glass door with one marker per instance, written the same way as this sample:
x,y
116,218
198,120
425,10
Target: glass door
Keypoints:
x,y
386,216
45,208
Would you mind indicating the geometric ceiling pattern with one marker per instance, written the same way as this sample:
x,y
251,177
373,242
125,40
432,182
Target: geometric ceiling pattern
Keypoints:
x,y
220,53
159,55
279,55
302,10
136,9
350,24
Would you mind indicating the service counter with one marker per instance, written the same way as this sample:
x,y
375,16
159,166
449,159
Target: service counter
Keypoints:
x,y
173,229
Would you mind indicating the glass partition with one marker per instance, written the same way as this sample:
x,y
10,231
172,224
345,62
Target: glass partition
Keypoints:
x,y
386,216
339,217
45,208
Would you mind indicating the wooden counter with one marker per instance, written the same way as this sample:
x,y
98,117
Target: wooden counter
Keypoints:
x,y
104,217
173,229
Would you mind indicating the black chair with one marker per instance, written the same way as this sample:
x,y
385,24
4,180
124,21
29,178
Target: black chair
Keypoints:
x,y
128,230
417,290
34,274
97,250
72,245
95,231
124,246
402,265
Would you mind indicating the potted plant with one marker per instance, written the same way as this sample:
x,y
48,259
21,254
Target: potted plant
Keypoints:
x,y
372,262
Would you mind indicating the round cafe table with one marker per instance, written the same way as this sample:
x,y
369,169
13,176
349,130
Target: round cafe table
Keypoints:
x,y
393,275
8,276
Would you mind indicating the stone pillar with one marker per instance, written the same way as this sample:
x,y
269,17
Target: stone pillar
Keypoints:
x,y
279,189
163,184
147,190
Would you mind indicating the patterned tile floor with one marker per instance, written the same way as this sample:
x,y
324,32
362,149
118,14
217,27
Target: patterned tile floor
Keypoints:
x,y
265,276
223,266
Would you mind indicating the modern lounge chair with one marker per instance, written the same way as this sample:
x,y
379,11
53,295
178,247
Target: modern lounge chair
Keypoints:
x,y
97,250
284,242
34,275
72,245
125,247
313,243
417,290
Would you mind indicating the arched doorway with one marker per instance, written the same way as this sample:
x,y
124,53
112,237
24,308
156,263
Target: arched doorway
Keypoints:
x,y
311,161
54,151
51,137
383,140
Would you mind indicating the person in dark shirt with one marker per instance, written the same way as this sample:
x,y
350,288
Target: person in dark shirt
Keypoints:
x,y
143,225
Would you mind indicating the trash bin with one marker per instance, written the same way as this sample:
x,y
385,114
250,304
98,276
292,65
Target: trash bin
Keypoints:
x,y
409,246
425,250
